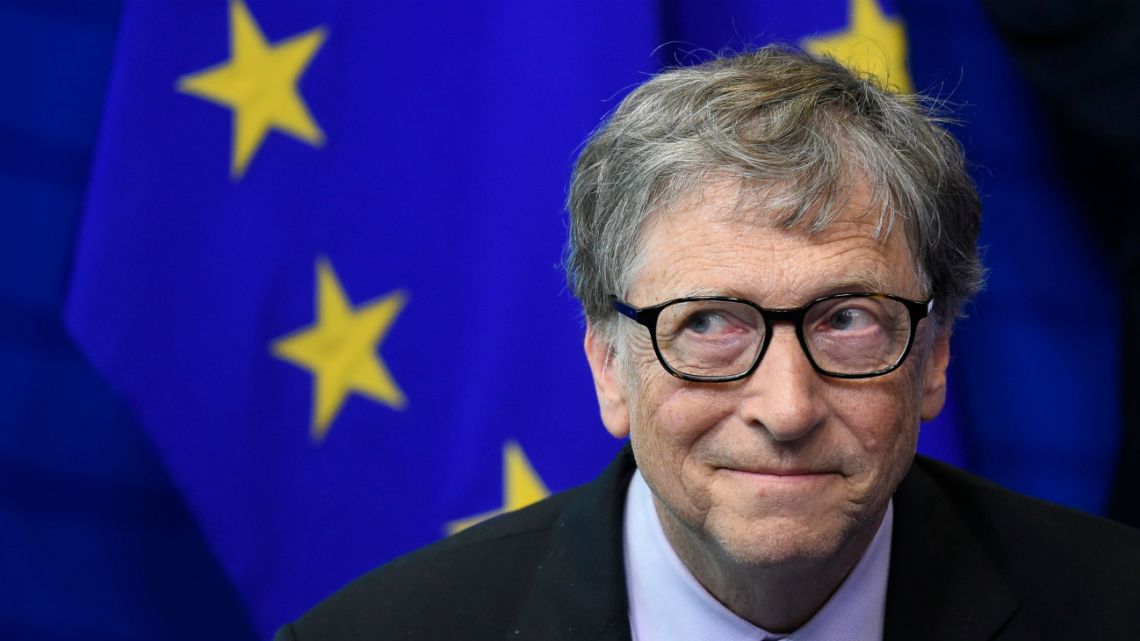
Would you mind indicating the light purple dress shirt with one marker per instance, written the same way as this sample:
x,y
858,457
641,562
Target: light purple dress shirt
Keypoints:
x,y
666,602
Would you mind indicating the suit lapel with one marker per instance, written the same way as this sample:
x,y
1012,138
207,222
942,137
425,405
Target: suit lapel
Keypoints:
x,y
579,590
942,585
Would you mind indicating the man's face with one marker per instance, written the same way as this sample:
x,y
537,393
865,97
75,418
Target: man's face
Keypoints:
x,y
786,466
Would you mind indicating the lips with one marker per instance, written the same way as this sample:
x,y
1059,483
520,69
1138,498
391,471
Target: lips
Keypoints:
x,y
778,472
781,474
751,467
767,481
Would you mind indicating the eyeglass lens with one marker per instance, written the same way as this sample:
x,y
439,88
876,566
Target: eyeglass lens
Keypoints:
x,y
852,335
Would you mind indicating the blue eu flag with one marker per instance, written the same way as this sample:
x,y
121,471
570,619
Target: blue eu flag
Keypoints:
x,y
320,261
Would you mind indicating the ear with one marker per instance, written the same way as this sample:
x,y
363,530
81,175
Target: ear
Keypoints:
x,y
608,384
934,382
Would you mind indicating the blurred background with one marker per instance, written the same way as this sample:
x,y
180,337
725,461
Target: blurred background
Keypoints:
x,y
280,295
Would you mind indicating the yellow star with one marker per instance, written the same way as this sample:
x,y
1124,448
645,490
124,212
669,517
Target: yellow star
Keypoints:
x,y
521,487
340,349
259,82
873,43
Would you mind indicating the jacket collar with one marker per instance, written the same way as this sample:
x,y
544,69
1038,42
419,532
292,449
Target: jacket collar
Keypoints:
x,y
942,585
579,588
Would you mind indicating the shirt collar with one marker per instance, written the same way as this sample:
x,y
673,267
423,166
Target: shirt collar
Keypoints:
x,y
667,602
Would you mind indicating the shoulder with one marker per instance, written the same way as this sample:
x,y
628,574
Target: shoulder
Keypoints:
x,y
1063,567
461,583
476,583
1012,522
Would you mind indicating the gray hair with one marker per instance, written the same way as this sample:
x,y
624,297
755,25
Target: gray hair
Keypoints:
x,y
797,133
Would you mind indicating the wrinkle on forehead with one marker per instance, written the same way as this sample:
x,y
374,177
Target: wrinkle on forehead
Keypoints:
x,y
851,210
798,199
776,206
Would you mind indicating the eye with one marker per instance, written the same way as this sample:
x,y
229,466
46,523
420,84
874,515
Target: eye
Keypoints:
x,y
851,319
706,322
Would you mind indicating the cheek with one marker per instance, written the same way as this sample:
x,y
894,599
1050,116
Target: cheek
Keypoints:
x,y
680,414
670,422
883,422
673,412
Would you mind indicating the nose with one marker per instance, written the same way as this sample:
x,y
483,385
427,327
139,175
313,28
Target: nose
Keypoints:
x,y
783,395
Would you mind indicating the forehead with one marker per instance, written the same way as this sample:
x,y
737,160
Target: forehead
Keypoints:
x,y
715,242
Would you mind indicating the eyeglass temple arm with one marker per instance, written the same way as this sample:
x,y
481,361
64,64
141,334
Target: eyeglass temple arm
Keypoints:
x,y
623,309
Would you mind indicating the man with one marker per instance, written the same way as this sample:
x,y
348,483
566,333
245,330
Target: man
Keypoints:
x,y
771,253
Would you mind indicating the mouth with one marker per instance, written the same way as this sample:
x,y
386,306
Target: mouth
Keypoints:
x,y
766,481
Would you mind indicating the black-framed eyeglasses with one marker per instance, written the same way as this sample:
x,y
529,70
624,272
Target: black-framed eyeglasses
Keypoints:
x,y
722,338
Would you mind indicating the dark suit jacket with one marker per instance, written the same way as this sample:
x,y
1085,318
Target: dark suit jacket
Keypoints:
x,y
969,561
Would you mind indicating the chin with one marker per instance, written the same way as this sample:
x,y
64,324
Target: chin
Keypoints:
x,y
783,542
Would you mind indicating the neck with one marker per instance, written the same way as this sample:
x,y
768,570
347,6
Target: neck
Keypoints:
x,y
778,597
